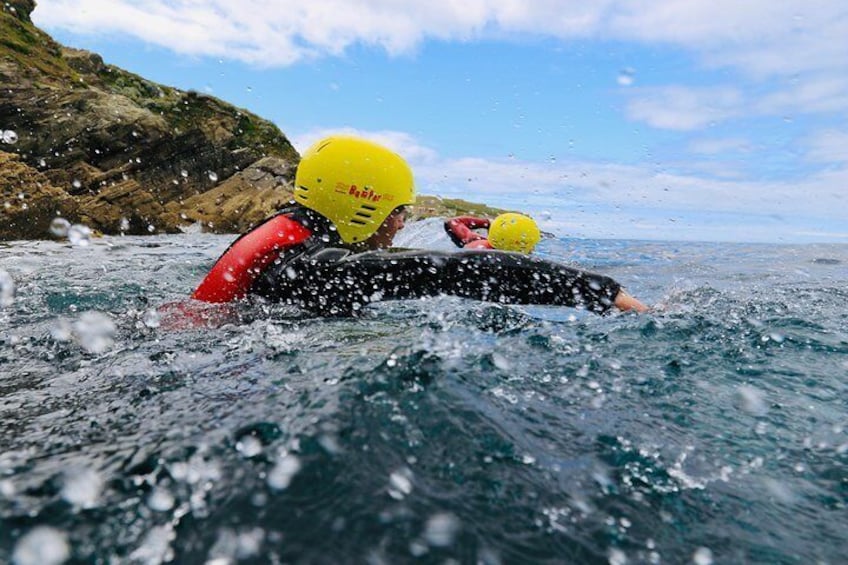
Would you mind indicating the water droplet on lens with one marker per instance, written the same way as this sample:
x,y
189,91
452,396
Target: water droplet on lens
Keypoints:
x,y
702,556
79,235
62,331
283,472
617,557
42,545
7,289
400,483
626,77
94,331
82,487
10,137
7,488
752,400
160,500
441,529
59,227
152,319
76,183
249,446
501,362
184,173
213,176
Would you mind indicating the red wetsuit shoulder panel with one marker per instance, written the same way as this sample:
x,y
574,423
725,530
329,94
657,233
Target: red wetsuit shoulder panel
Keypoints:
x,y
234,272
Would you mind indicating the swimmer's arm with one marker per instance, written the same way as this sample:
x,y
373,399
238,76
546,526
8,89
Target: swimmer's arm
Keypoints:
x,y
509,278
626,303
460,229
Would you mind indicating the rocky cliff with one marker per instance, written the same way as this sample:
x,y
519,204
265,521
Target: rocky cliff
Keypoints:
x,y
101,146
97,145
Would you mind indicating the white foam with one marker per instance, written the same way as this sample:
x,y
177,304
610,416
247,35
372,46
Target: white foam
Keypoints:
x,y
42,545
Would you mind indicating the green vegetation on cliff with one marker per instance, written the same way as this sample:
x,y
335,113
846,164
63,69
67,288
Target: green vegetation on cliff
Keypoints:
x,y
31,48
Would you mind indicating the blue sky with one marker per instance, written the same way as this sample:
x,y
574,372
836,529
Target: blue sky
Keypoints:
x,y
705,119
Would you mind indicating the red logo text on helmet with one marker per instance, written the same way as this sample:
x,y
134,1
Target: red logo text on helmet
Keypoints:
x,y
364,194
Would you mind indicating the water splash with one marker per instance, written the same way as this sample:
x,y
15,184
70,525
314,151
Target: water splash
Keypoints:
x,y
400,483
82,487
155,548
7,289
43,545
79,235
94,332
441,529
160,499
702,556
283,472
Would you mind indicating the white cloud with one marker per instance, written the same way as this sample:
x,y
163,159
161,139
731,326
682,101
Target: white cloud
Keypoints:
x,y
818,93
759,35
716,146
682,108
830,146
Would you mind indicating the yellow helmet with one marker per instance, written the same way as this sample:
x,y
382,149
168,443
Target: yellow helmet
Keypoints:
x,y
514,232
354,183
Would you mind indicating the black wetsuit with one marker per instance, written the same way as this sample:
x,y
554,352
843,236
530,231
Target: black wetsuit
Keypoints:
x,y
321,276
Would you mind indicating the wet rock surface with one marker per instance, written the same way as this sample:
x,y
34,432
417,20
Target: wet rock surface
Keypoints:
x,y
98,145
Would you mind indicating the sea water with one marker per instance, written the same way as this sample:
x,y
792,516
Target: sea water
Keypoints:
x,y
712,430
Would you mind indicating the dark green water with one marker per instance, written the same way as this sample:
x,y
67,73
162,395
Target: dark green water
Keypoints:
x,y
710,431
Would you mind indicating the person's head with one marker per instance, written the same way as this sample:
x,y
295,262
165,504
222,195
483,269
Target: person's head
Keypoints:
x,y
357,185
385,234
514,232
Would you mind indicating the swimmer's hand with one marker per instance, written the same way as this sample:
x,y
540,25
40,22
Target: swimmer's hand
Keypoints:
x,y
625,303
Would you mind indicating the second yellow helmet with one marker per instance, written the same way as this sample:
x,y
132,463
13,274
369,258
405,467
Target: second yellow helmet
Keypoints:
x,y
514,232
354,183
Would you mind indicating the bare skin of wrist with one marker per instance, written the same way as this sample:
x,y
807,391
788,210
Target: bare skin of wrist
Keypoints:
x,y
625,303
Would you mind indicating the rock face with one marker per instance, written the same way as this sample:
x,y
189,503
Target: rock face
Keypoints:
x,y
101,146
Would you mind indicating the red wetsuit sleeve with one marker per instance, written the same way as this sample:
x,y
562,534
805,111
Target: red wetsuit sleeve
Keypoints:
x,y
235,271
481,243
460,229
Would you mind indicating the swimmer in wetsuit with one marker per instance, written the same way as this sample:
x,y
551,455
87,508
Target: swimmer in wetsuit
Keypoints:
x,y
327,253
507,232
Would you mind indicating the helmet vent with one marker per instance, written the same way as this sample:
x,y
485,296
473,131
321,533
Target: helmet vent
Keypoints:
x,y
358,222
369,208
364,214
